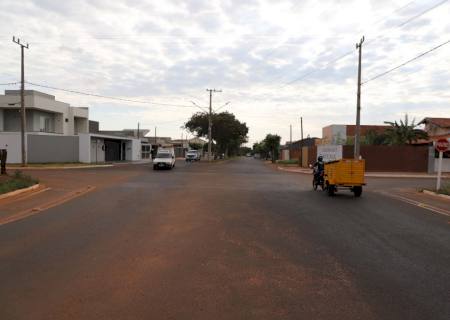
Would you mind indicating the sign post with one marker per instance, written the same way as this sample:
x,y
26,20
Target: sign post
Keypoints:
x,y
442,145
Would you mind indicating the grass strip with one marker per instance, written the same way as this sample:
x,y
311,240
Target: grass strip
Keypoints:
x,y
15,182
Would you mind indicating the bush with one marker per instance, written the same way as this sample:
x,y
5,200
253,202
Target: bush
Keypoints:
x,y
293,161
445,189
17,181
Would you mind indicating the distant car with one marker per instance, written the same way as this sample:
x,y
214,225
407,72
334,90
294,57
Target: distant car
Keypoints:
x,y
248,154
192,155
165,159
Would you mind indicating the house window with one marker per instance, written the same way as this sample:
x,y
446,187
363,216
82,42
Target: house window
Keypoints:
x,y
44,124
146,151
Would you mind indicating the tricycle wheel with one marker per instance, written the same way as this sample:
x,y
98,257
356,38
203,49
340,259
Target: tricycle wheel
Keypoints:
x,y
330,189
357,191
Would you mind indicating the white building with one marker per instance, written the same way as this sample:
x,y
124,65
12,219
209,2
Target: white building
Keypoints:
x,y
58,132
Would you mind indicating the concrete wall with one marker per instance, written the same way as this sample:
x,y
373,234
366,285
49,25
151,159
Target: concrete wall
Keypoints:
x,y
84,147
52,148
97,150
334,134
445,165
12,143
81,125
63,113
133,150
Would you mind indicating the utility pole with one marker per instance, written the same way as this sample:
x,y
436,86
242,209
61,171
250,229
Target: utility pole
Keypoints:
x,y
22,100
301,142
301,127
138,131
358,103
290,134
210,121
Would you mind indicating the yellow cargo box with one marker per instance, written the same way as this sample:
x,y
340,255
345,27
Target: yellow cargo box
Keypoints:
x,y
345,173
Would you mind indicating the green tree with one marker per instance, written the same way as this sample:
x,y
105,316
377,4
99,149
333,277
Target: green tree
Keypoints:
x,y
227,131
403,132
272,143
374,138
195,146
244,150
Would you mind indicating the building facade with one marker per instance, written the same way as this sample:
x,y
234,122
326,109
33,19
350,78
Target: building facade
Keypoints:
x,y
58,132
345,134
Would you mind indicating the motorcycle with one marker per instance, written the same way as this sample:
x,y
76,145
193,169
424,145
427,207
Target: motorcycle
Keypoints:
x,y
318,179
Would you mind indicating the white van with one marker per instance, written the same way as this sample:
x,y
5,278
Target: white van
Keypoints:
x,y
165,158
192,155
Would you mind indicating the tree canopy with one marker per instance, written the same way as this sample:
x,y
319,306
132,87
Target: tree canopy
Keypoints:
x,y
227,131
269,147
403,132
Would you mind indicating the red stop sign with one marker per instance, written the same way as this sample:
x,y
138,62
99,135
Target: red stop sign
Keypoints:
x,y
442,145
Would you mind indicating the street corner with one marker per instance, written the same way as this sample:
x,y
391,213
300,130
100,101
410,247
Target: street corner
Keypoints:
x,y
416,197
22,193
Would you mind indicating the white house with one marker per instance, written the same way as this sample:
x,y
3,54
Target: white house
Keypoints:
x,y
57,132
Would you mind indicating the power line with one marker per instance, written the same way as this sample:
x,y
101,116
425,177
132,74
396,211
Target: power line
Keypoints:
x,y
422,13
370,41
406,62
9,84
109,97
402,24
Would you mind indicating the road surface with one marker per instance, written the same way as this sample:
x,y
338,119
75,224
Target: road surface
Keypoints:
x,y
232,240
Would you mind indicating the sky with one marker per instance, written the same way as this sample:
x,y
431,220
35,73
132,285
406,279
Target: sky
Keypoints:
x,y
274,61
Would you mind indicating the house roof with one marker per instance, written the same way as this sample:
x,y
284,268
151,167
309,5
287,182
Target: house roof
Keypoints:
x,y
431,139
440,122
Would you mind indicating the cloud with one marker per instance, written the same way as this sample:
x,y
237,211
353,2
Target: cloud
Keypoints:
x,y
172,51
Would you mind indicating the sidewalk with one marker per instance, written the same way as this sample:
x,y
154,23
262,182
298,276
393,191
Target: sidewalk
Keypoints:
x,y
59,186
414,197
372,174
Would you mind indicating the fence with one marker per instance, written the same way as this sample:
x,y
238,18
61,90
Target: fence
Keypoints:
x,y
380,158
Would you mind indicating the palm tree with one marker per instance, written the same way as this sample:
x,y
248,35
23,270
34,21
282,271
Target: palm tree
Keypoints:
x,y
404,132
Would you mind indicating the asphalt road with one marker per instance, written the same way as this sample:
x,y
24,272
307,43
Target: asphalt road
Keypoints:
x,y
234,240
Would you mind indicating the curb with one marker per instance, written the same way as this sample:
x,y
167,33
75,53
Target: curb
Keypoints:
x,y
373,175
19,191
432,193
60,168
306,171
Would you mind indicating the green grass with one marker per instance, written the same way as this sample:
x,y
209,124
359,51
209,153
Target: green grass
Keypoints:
x,y
56,164
293,161
445,189
15,182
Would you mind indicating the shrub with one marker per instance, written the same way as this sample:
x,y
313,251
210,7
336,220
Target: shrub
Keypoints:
x,y
17,181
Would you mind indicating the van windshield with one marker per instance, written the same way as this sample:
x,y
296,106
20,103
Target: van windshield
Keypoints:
x,y
163,155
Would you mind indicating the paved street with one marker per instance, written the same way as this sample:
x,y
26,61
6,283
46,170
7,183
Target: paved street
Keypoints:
x,y
230,240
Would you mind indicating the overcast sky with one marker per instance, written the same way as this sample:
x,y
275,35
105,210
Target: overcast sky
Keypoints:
x,y
256,51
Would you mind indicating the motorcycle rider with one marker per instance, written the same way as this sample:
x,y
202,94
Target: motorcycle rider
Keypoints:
x,y
319,167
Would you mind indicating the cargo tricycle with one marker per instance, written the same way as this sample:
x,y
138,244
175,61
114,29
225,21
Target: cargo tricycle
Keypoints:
x,y
344,173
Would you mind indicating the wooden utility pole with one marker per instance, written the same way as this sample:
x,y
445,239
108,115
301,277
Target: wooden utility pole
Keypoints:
x,y
301,127
138,131
358,103
22,100
301,142
210,121
290,134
